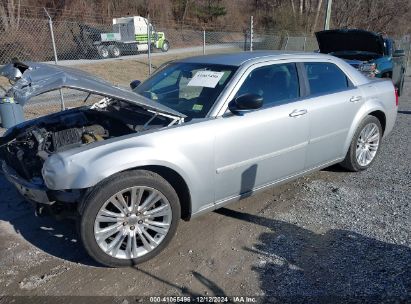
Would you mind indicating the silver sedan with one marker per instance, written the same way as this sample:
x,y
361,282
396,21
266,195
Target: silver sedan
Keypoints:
x,y
200,133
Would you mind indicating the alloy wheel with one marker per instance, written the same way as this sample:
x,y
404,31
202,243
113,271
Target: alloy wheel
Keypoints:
x,y
367,144
132,222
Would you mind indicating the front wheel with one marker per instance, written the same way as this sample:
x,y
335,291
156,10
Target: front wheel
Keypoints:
x,y
129,218
364,145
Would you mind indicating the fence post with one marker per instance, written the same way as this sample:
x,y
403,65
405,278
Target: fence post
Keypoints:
x,y
149,43
251,33
204,41
286,42
63,107
305,41
408,58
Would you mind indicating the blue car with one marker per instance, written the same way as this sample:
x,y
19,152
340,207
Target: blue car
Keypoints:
x,y
371,53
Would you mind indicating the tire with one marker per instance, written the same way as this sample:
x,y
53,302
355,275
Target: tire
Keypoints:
x,y
354,162
166,46
128,249
114,51
103,52
401,85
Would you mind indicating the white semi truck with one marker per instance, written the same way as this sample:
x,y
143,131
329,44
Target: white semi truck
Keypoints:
x,y
130,36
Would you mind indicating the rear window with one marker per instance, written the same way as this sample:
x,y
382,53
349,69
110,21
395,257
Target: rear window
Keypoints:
x,y
325,78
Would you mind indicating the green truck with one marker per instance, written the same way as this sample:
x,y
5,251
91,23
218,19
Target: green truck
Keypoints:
x,y
130,36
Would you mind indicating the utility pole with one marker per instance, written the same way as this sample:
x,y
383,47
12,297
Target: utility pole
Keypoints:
x,y
149,43
328,15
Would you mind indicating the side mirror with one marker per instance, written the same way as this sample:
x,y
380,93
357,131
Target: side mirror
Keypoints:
x,y
134,84
399,53
245,103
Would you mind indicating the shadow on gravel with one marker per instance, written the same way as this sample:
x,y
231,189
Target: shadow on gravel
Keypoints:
x,y
298,265
210,285
404,112
57,238
335,168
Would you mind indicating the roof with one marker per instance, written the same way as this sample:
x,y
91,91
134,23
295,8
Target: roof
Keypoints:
x,y
239,58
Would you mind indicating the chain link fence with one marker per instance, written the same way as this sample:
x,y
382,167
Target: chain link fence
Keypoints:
x,y
30,39
79,45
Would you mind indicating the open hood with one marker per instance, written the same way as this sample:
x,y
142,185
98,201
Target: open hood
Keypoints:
x,y
32,79
350,40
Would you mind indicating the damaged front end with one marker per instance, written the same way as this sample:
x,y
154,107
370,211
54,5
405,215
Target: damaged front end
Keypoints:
x,y
25,148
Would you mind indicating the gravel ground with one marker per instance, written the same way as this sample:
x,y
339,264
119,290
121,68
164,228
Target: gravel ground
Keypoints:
x,y
329,237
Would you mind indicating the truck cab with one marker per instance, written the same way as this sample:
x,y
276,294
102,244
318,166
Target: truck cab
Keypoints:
x,y
130,36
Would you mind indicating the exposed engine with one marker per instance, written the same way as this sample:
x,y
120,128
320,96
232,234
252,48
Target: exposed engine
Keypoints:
x,y
65,138
26,149
36,143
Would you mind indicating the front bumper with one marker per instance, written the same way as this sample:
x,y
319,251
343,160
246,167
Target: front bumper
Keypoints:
x,y
30,191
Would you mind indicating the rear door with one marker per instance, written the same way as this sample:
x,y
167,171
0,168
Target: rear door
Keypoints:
x,y
333,103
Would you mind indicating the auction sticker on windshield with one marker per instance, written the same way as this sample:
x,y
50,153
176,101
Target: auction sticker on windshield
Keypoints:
x,y
208,79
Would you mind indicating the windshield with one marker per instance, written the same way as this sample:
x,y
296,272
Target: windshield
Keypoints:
x,y
189,88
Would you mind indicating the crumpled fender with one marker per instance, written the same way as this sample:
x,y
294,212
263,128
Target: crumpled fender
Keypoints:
x,y
87,169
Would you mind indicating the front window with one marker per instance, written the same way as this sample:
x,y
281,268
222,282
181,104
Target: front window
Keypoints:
x,y
276,83
189,88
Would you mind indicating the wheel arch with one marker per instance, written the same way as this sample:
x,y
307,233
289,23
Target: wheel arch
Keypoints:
x,y
177,182
376,112
381,117
173,177
386,73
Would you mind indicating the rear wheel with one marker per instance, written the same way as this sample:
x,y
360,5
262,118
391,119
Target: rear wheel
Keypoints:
x,y
364,145
166,46
401,85
129,218
114,51
103,52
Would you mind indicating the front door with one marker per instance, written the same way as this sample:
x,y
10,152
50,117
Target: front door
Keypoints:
x,y
267,144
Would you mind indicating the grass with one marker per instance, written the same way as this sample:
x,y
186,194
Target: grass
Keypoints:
x,y
123,71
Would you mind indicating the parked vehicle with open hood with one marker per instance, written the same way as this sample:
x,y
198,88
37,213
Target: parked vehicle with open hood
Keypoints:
x,y
199,133
371,53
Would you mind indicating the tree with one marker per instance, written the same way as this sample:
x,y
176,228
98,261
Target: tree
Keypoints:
x,y
373,15
10,14
209,10
179,9
317,14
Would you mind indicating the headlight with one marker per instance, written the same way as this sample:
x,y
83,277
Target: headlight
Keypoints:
x,y
368,67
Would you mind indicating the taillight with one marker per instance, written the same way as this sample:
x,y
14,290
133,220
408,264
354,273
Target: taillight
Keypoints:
x,y
396,97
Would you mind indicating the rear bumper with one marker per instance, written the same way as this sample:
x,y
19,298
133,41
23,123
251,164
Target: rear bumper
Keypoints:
x,y
32,192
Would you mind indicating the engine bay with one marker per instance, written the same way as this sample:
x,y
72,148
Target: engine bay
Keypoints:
x,y
26,148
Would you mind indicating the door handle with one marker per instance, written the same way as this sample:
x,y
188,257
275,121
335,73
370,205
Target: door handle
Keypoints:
x,y
297,113
355,98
